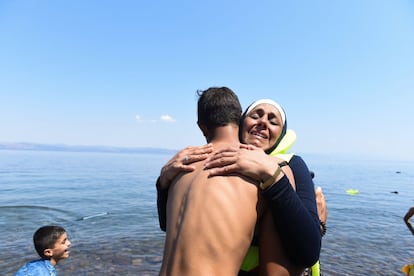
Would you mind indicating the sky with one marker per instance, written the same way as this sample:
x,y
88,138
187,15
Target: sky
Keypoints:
x,y
125,73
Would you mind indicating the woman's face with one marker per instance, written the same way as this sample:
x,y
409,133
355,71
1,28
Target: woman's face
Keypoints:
x,y
262,126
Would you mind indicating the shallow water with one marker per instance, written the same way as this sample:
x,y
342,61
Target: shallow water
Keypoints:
x,y
107,203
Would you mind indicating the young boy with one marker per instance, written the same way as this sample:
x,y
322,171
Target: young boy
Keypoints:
x,y
52,245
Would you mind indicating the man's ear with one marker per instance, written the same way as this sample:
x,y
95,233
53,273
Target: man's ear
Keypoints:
x,y
48,252
203,129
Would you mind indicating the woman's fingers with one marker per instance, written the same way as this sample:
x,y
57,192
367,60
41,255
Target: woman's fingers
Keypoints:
x,y
194,154
221,159
227,169
182,162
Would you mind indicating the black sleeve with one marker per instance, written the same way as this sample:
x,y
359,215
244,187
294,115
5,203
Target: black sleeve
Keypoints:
x,y
295,214
162,196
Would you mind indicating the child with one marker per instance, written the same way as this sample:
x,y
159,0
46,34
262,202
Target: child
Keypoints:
x,y
52,245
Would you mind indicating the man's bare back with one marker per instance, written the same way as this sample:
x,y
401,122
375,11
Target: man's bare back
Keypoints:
x,y
210,223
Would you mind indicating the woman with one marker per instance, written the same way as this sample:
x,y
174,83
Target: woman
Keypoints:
x,y
289,236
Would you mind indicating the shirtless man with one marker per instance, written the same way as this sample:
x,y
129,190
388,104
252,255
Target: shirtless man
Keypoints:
x,y
210,220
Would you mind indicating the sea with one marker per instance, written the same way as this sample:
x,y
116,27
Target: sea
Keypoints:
x,y
107,204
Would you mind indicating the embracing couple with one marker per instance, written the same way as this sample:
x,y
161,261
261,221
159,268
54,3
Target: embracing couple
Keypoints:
x,y
238,205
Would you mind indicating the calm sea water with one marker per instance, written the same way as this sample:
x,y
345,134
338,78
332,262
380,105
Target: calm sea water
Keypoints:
x,y
107,203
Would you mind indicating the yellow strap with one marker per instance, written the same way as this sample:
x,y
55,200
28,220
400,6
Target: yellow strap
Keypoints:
x,y
316,269
286,143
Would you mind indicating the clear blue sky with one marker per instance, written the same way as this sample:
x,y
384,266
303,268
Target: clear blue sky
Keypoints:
x,y
125,73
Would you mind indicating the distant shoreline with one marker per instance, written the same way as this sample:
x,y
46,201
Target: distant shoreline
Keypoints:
x,y
72,148
26,146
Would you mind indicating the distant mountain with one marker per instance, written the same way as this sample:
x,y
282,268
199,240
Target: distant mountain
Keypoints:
x,y
62,147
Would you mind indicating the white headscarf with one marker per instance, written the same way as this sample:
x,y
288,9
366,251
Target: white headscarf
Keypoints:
x,y
271,102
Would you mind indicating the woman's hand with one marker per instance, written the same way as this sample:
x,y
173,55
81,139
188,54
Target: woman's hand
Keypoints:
x,y
182,162
247,160
322,210
407,217
321,205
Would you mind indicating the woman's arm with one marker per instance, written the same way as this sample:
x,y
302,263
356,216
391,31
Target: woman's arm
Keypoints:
x,y
295,214
247,160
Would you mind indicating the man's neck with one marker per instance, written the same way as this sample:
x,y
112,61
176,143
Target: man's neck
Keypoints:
x,y
225,134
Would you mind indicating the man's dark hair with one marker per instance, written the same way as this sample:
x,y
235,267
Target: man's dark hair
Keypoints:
x,y
45,237
218,106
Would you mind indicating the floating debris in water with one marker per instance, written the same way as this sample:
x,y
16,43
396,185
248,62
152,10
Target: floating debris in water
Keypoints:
x,y
94,216
352,191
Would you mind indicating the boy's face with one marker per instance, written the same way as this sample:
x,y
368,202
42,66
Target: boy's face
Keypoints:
x,y
60,250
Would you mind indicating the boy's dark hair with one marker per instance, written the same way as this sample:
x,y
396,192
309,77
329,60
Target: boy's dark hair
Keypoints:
x,y
218,106
45,237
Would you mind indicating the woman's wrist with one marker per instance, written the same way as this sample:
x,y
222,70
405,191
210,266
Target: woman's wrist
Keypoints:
x,y
163,182
322,226
267,168
273,178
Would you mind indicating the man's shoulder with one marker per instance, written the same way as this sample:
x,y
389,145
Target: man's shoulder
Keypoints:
x,y
37,267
